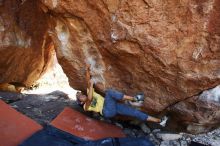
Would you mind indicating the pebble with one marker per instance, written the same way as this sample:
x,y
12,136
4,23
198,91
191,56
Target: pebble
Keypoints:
x,y
184,143
153,139
156,130
168,136
129,132
170,143
14,106
144,128
119,125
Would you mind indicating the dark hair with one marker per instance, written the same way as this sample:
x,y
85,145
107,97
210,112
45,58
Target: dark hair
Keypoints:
x,y
78,93
77,98
78,101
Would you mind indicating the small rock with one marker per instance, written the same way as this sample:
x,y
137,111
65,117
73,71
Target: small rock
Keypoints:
x,y
170,143
129,132
188,139
183,143
156,131
14,106
153,139
119,125
47,100
141,134
144,128
168,136
101,118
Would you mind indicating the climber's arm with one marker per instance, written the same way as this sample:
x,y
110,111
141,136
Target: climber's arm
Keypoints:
x,y
89,94
90,90
127,97
88,76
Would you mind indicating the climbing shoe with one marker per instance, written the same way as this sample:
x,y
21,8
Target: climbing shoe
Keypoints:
x,y
139,97
163,121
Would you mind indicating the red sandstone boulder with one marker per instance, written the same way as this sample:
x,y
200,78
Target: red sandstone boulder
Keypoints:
x,y
169,50
25,47
199,113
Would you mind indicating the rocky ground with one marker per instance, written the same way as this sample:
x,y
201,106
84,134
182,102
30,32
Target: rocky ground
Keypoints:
x,y
45,107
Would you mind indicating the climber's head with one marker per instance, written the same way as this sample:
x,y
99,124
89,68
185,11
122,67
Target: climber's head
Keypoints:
x,y
81,98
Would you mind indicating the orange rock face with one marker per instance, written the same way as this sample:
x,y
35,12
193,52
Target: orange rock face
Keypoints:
x,y
25,46
169,50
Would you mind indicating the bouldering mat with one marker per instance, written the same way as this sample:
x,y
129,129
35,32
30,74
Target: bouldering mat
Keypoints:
x,y
80,125
14,126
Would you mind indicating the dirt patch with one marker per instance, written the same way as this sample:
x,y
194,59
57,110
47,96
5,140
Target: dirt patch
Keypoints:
x,y
40,107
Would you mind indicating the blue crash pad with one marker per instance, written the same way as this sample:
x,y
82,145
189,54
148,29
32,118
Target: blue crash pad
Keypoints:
x,y
51,136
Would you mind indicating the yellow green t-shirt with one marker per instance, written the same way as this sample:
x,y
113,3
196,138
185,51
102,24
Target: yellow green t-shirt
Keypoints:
x,y
96,103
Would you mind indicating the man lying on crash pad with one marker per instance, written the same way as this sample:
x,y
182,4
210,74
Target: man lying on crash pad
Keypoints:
x,y
109,106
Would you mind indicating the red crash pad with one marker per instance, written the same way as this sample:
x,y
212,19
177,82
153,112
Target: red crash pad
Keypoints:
x,y
14,127
82,126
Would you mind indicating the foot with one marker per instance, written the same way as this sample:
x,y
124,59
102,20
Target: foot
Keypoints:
x,y
163,121
139,97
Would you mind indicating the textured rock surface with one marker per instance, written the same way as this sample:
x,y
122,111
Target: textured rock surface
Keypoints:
x,y
24,44
169,50
199,113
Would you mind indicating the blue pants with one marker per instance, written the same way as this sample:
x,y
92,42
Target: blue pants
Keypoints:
x,y
112,107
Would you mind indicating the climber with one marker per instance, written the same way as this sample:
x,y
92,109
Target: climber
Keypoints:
x,y
109,106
